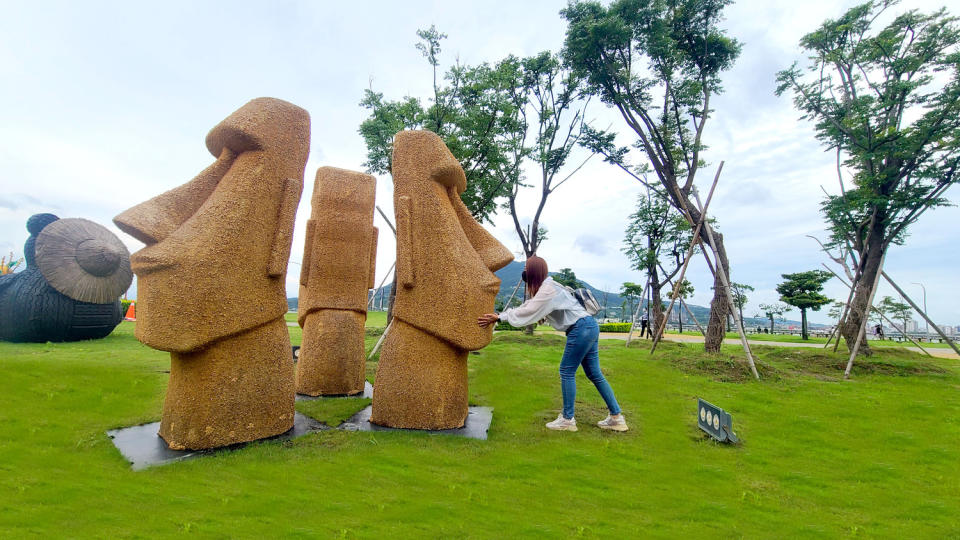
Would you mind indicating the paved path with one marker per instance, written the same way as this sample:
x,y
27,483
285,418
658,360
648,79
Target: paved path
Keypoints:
x,y
939,353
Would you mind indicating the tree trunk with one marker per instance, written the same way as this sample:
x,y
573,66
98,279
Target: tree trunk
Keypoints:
x,y
680,316
803,324
858,307
656,318
656,315
719,306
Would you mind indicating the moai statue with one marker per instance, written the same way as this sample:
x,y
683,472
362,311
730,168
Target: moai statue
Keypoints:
x,y
211,287
445,281
337,273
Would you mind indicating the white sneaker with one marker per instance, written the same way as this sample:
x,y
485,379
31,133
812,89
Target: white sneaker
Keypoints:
x,y
613,423
562,424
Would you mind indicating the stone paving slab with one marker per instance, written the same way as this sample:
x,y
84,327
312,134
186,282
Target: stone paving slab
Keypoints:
x,y
143,448
367,393
476,426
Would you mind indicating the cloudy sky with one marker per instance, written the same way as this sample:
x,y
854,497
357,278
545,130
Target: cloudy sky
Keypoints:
x,y
106,104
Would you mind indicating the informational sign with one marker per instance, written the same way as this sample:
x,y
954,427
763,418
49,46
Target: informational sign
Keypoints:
x,y
715,421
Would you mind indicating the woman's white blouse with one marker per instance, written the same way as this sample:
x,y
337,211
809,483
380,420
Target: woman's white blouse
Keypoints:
x,y
552,302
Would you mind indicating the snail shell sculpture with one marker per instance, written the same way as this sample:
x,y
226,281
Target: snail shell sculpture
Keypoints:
x,y
70,290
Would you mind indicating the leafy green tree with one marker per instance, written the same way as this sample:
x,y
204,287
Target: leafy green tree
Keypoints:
x,y
656,238
774,311
739,291
888,101
683,290
567,277
802,291
550,110
474,110
657,63
632,292
896,310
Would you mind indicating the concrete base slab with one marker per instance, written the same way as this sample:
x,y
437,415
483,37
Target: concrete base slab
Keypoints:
x,y
476,426
143,448
367,393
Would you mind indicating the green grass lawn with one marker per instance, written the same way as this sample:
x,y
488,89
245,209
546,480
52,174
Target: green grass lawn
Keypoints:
x,y
875,456
375,319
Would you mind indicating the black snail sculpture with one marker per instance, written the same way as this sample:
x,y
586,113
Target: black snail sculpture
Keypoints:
x,y
70,290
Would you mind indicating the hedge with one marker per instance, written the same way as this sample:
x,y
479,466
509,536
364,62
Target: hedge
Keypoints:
x,y
618,327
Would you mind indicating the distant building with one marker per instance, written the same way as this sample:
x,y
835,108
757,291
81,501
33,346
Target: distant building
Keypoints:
x,y
947,329
912,326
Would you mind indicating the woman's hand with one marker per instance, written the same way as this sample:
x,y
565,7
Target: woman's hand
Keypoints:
x,y
488,319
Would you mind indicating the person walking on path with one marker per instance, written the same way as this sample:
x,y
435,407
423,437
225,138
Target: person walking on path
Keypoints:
x,y
645,326
547,299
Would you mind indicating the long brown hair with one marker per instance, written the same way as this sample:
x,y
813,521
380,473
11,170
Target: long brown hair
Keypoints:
x,y
534,273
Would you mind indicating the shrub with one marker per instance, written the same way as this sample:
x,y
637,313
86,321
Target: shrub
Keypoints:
x,y
501,325
619,327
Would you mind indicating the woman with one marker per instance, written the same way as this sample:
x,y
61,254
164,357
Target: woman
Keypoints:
x,y
548,299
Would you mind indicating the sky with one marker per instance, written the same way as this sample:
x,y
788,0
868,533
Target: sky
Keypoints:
x,y
106,104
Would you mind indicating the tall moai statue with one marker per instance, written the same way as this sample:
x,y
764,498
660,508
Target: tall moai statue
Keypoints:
x,y
336,275
445,281
211,280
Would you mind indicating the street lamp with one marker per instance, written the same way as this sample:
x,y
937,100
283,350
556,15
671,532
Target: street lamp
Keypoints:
x,y
925,324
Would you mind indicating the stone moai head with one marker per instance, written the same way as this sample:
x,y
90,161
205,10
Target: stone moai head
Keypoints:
x,y
445,259
216,250
341,248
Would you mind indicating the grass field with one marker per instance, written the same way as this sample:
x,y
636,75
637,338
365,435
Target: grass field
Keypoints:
x,y
876,456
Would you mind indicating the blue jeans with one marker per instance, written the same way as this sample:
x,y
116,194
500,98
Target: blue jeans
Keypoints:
x,y
583,349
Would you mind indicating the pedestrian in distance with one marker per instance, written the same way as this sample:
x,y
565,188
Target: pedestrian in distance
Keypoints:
x,y
645,326
547,299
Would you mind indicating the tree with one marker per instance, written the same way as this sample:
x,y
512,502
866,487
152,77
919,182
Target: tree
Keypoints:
x,y
684,289
550,94
898,311
887,101
475,113
772,311
567,277
633,292
739,291
802,291
656,236
658,63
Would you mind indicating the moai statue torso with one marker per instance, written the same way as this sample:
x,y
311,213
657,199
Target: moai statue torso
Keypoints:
x,y
445,280
211,287
337,272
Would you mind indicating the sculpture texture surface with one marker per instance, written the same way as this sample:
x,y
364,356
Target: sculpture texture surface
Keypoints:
x,y
336,274
70,290
211,280
445,280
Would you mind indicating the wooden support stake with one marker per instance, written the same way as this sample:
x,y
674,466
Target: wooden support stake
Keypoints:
x,y
920,311
380,341
385,277
686,261
878,312
726,284
385,218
